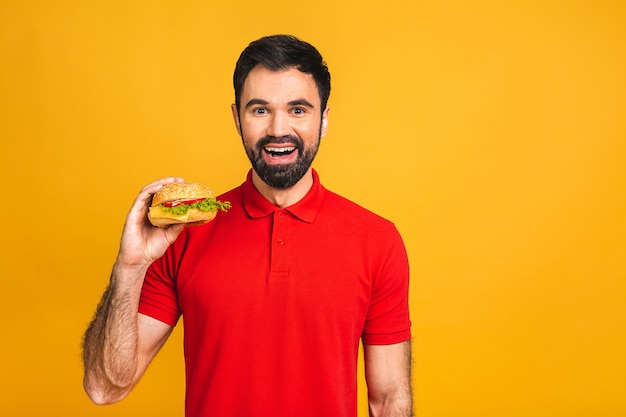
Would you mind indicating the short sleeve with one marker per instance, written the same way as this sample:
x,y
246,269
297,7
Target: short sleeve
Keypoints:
x,y
159,298
388,320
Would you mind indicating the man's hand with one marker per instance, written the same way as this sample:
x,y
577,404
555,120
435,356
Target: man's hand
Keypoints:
x,y
143,243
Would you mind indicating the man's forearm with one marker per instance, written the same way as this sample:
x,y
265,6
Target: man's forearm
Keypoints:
x,y
110,345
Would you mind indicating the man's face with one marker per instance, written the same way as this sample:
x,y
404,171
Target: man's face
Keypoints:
x,y
280,122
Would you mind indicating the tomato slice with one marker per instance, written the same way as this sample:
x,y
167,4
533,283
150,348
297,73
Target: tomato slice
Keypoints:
x,y
179,202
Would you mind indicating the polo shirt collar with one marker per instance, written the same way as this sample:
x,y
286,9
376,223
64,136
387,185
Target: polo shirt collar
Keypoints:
x,y
306,209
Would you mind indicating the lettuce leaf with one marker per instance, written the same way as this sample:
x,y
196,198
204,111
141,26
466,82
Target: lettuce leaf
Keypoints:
x,y
210,204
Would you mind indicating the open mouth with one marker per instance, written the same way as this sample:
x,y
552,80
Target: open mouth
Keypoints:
x,y
276,152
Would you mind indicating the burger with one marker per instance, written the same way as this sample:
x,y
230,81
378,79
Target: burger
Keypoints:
x,y
184,202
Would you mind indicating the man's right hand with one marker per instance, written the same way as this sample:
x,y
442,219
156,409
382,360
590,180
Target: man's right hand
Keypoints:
x,y
142,243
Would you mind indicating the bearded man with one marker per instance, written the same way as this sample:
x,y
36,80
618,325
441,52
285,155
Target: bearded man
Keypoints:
x,y
277,294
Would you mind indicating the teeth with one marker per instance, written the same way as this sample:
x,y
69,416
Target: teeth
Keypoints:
x,y
280,150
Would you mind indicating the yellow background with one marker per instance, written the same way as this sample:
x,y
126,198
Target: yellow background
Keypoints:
x,y
492,133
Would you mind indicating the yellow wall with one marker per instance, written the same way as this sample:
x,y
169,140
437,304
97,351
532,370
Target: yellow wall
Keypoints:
x,y
492,133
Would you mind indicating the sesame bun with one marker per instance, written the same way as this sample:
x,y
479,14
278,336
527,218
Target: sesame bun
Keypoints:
x,y
176,191
181,191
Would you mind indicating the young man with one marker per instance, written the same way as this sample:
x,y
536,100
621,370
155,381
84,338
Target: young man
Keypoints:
x,y
277,293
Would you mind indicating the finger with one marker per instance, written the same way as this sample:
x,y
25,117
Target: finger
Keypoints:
x,y
172,232
155,186
142,201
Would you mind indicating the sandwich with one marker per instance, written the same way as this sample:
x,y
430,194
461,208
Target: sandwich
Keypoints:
x,y
183,202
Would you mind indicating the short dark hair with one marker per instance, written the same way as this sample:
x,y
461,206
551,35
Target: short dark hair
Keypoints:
x,y
281,52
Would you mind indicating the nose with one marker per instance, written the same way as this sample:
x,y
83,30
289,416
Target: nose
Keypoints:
x,y
279,125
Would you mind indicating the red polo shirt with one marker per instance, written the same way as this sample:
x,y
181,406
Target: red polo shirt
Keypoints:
x,y
275,301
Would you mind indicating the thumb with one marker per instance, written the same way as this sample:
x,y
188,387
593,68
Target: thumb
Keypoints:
x,y
172,232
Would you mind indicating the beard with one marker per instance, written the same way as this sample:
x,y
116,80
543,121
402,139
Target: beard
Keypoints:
x,y
282,176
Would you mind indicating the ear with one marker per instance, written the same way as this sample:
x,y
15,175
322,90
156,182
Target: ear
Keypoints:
x,y
324,127
233,108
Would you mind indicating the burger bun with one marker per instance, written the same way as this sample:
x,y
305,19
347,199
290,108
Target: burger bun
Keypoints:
x,y
180,191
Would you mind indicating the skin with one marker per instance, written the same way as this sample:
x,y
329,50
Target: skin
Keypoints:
x,y
388,378
280,104
120,342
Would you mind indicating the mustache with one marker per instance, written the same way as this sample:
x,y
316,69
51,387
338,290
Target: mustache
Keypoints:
x,y
266,140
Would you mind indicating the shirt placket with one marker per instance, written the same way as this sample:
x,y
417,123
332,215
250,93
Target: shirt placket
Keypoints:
x,y
280,245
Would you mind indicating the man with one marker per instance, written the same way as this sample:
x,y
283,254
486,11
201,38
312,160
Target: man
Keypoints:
x,y
277,293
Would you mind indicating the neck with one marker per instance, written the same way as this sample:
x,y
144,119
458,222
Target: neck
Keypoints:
x,y
284,197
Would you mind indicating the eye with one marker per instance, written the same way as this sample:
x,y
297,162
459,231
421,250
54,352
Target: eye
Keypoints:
x,y
259,110
298,110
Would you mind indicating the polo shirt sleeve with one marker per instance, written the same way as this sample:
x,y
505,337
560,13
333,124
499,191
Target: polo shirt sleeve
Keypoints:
x,y
158,295
388,320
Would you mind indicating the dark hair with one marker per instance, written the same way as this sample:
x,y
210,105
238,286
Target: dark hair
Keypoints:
x,y
281,52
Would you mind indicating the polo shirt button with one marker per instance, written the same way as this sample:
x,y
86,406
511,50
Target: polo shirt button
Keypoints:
x,y
281,214
280,242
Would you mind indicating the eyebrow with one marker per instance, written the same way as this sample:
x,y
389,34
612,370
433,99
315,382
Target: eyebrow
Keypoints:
x,y
301,102
256,101
261,102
